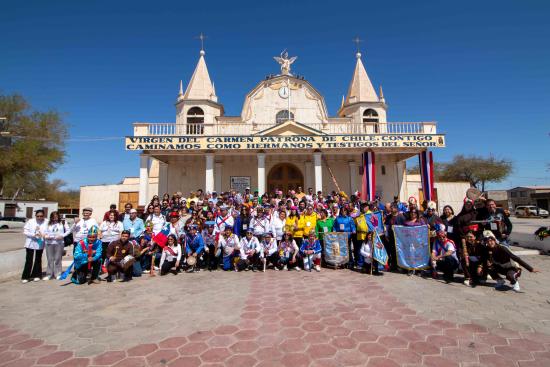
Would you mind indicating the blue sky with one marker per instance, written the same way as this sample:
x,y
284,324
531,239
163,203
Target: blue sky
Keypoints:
x,y
479,68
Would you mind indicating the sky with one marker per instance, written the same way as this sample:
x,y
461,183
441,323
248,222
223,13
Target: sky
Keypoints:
x,y
481,69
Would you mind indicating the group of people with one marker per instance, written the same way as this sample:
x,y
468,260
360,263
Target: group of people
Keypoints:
x,y
283,231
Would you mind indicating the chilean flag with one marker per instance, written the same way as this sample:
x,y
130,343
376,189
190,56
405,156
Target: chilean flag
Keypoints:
x,y
368,186
161,237
427,174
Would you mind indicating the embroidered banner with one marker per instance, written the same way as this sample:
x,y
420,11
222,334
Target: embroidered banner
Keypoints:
x,y
336,248
379,251
412,245
375,221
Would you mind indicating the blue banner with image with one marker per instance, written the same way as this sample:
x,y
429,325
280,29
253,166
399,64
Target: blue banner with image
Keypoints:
x,y
412,245
375,221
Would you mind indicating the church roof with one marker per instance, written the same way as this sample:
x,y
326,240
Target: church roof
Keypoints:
x,y
200,86
360,89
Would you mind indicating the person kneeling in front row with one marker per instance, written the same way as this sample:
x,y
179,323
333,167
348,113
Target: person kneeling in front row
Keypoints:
x,y
87,258
311,252
120,258
444,255
171,256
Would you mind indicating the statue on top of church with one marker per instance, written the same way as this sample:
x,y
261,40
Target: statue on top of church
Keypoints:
x,y
285,62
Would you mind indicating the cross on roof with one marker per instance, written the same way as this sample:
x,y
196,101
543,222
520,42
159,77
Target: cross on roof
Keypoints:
x,y
357,40
202,37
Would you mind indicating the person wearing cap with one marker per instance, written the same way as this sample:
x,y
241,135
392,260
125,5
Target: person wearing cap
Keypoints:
x,y
501,261
134,224
444,256
270,250
230,246
194,247
82,225
311,252
473,260
87,257
250,250
175,226
35,231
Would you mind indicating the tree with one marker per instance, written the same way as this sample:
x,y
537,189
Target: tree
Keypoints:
x,y
477,170
439,167
36,148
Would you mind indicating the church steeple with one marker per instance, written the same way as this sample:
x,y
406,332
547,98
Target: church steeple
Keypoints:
x,y
200,86
360,89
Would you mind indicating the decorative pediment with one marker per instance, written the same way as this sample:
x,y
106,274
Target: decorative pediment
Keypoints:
x,y
290,128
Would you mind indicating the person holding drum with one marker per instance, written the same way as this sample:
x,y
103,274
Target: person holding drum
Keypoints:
x,y
171,256
87,258
194,247
119,258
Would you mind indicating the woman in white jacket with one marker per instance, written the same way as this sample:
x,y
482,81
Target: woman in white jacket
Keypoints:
x,y
34,231
55,233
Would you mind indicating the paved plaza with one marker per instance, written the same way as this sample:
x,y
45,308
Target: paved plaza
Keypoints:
x,y
332,318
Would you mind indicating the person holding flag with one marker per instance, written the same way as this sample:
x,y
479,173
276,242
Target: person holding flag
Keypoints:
x,y
87,258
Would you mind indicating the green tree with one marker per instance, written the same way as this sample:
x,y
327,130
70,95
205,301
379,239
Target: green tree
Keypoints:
x,y
36,146
477,170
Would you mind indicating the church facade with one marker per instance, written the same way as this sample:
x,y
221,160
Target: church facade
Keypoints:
x,y
283,138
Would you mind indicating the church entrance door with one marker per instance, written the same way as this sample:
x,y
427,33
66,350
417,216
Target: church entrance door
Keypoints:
x,y
284,176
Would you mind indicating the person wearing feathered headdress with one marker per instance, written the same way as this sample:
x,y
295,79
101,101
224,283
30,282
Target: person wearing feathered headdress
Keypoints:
x,y
87,258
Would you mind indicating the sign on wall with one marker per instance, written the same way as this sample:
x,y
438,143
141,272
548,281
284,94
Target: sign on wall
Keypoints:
x,y
188,143
239,183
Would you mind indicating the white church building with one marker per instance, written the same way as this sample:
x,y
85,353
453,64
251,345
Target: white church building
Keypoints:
x,y
282,139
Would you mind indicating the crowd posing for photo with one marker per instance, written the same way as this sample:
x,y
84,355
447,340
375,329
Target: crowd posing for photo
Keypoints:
x,y
244,231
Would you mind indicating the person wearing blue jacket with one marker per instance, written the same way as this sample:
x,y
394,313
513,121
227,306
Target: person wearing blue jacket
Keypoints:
x,y
311,252
87,258
194,246
345,223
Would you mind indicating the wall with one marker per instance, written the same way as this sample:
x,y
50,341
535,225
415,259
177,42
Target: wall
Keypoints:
x,y
448,193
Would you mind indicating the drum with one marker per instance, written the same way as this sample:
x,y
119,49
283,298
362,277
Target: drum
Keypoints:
x,y
127,262
191,260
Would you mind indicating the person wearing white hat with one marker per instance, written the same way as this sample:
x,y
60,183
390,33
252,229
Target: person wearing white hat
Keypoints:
x,y
501,261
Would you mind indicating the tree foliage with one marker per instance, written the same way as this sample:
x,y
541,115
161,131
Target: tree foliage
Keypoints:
x,y
476,170
36,148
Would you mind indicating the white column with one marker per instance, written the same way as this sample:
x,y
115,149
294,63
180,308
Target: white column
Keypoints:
x,y
143,179
218,177
261,173
163,179
318,171
209,173
353,177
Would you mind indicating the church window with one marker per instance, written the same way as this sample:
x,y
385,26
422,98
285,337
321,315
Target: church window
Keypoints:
x,y
370,116
383,169
283,116
195,116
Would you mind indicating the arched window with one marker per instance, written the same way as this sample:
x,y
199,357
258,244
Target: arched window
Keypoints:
x,y
195,116
283,116
371,116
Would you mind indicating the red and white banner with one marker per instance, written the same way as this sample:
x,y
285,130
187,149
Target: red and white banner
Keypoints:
x,y
427,174
368,187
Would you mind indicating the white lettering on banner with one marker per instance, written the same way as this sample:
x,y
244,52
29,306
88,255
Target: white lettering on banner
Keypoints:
x,y
184,143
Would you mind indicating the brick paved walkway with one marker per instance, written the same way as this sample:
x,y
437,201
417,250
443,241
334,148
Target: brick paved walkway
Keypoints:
x,y
332,318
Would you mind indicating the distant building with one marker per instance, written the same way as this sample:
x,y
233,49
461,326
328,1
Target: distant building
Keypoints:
x,y
499,196
25,208
529,195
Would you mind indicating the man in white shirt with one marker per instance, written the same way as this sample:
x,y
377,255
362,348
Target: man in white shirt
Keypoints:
x,y
223,221
157,219
261,223
251,250
82,225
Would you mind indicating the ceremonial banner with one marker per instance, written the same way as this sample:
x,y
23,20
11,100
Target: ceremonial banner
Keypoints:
x,y
368,185
336,248
379,251
375,221
412,246
427,174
